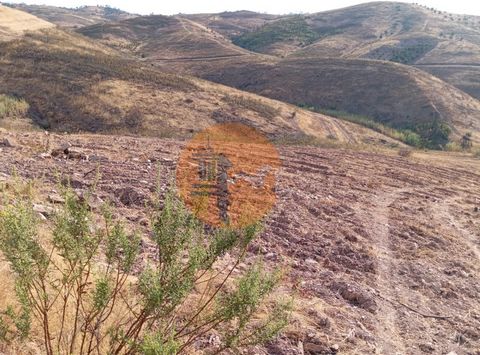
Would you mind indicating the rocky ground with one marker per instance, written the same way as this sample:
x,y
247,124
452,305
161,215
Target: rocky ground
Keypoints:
x,y
381,252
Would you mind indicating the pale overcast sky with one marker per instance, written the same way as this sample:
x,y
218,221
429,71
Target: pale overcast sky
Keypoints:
x,y
471,7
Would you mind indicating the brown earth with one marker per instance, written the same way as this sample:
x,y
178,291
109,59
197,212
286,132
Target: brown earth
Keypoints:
x,y
381,252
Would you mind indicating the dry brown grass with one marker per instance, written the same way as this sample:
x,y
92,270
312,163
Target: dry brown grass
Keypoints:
x,y
14,23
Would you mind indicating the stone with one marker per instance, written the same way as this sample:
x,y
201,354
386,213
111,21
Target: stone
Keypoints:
x,y
56,198
75,154
45,211
6,143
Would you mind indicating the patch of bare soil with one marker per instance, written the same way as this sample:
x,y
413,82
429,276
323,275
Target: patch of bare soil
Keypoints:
x,y
381,252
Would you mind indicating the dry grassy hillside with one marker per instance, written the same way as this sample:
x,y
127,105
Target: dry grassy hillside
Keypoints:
x,y
393,94
164,38
399,32
444,44
72,84
232,24
74,17
14,23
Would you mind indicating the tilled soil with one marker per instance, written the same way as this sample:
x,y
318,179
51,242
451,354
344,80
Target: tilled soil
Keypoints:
x,y
381,252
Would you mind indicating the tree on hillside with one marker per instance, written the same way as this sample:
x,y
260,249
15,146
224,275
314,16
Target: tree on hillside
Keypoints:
x,y
466,141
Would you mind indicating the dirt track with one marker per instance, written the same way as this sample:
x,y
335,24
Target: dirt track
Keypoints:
x,y
381,252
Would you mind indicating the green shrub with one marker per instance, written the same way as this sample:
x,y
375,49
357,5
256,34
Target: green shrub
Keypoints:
x,y
87,292
453,147
12,107
406,136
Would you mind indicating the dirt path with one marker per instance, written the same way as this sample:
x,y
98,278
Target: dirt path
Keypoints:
x,y
388,334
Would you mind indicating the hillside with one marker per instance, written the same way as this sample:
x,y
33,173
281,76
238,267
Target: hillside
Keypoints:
x,y
232,24
396,95
163,38
15,23
376,89
74,17
399,32
72,84
443,44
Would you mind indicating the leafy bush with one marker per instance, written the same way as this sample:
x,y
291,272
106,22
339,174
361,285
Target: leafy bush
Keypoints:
x,y
87,292
12,107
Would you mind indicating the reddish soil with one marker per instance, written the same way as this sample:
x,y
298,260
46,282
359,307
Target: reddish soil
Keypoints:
x,y
381,252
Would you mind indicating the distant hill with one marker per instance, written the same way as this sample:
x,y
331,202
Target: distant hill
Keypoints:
x,y
74,17
445,45
72,84
163,37
15,23
392,93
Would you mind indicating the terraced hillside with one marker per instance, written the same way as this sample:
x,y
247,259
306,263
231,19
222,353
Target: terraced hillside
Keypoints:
x,y
74,17
381,252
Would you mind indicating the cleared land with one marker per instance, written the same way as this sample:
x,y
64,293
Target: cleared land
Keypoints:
x,y
381,252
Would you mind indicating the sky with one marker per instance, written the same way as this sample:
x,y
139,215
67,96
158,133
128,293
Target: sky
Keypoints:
x,y
144,7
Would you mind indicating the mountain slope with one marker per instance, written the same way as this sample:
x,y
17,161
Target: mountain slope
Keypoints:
x,y
74,17
164,37
73,84
14,23
443,44
394,94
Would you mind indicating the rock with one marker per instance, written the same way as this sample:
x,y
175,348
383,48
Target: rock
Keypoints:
x,y
355,296
475,209
56,198
130,197
6,143
44,211
75,154
313,348
427,347
335,348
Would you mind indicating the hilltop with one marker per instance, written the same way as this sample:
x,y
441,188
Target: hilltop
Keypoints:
x,y
443,44
15,23
74,17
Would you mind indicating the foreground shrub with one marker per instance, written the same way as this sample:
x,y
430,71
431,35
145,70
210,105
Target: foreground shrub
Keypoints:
x,y
12,107
87,291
